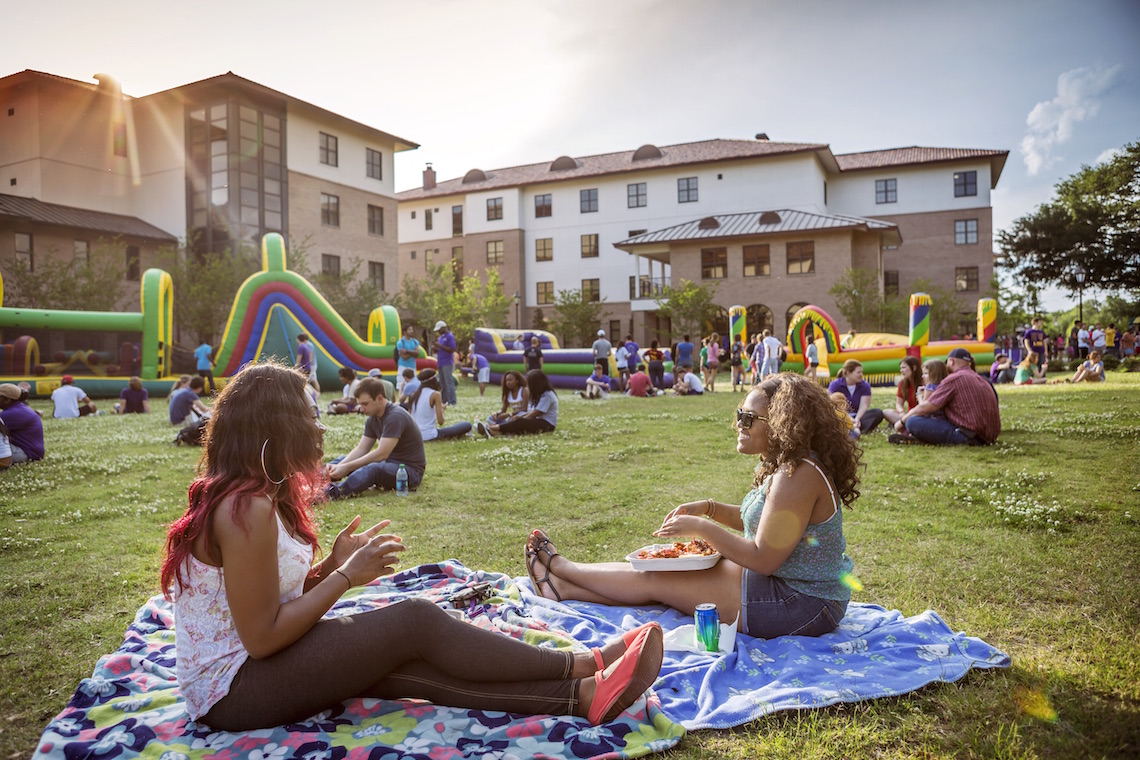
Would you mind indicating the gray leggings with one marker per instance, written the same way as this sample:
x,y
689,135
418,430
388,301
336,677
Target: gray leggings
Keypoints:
x,y
411,649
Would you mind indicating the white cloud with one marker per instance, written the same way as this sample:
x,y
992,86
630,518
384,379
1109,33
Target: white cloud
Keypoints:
x,y
1051,121
1106,156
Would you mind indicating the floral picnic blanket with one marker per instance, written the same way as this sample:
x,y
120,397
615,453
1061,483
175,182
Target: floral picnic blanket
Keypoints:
x,y
131,707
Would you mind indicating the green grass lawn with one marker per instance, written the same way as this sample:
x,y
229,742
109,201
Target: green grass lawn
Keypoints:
x,y
1031,544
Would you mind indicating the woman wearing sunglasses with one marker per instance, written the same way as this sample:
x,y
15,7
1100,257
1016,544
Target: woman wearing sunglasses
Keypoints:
x,y
253,647
784,570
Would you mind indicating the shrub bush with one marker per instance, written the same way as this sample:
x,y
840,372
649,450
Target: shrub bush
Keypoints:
x,y
1060,364
1110,362
1131,364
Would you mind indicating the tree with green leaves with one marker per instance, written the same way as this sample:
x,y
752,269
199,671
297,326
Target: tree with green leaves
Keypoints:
x,y
538,320
576,318
947,311
1093,220
204,286
470,304
94,284
689,307
862,303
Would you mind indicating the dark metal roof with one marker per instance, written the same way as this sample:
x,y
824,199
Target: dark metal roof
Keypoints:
x,y
38,212
748,224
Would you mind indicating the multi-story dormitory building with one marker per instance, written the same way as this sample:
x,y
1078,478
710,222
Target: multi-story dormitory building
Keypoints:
x,y
218,162
772,224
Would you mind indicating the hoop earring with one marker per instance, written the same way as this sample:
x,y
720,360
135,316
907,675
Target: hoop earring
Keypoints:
x,y
271,480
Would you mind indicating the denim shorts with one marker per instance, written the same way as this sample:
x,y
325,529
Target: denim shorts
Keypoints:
x,y
770,608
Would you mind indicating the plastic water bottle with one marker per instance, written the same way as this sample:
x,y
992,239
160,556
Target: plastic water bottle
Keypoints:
x,y
402,481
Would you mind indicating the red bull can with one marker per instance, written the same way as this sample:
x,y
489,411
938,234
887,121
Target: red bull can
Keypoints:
x,y
707,621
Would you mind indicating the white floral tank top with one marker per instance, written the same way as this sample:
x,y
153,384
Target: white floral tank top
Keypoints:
x,y
208,650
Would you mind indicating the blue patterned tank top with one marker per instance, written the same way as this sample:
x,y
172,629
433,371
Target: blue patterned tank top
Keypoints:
x,y
818,565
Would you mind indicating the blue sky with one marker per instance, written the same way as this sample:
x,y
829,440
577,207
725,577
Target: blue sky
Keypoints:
x,y
1056,83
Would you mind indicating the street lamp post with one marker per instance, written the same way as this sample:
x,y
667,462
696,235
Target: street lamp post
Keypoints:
x,y
516,297
1079,273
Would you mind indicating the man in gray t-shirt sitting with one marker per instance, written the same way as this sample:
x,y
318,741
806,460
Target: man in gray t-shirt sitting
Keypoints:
x,y
396,437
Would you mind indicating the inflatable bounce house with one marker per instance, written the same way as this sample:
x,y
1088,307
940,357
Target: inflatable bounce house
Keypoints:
x,y
270,309
880,353
566,367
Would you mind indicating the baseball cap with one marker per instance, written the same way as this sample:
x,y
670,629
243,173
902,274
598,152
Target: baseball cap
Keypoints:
x,y
7,390
601,333
67,379
439,326
374,372
960,353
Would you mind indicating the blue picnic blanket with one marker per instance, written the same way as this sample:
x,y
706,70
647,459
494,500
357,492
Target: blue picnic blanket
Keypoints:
x,y
875,653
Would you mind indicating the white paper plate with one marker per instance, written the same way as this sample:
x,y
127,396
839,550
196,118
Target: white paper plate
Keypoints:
x,y
688,562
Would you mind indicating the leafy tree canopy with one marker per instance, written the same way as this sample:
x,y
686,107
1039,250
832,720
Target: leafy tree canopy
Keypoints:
x,y
1093,219
97,284
575,319
688,306
464,306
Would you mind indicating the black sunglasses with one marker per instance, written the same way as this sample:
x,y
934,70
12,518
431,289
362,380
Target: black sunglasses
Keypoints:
x,y
745,419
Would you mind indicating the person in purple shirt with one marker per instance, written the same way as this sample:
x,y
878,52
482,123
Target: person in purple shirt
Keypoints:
x,y
1034,342
857,393
482,369
25,428
632,347
444,346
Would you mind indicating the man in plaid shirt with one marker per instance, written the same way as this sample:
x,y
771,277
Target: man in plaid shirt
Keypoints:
x,y
963,410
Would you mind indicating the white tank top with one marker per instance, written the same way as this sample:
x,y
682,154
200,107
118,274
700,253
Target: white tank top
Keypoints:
x,y
515,401
424,416
209,649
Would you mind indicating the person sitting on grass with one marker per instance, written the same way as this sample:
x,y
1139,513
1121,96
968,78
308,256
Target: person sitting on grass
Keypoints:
x,y
516,396
688,384
906,395
427,410
134,399
641,386
5,447
934,371
346,404
411,385
1029,371
857,392
788,574
252,647
25,428
1002,369
597,384
541,415
185,406
963,410
1090,371
71,401
397,440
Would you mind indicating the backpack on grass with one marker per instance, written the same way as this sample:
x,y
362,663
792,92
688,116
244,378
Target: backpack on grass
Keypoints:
x,y
192,434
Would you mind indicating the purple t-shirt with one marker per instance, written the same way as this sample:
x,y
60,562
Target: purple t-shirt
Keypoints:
x,y
481,362
305,357
445,354
862,388
1036,341
25,429
134,400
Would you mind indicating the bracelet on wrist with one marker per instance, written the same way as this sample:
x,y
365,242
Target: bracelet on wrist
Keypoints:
x,y
710,510
344,575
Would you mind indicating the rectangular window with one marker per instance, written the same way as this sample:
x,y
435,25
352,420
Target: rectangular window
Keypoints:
x,y
588,200
687,190
427,219
375,220
376,274
965,183
330,264
635,194
589,246
457,221
891,282
330,210
886,191
544,249
635,233
543,206
966,279
82,252
494,209
24,253
544,293
328,149
757,261
494,251
801,258
714,263
615,329
966,232
132,262
373,163
591,291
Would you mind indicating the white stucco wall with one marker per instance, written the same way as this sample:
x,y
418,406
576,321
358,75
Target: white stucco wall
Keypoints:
x,y
302,141
160,196
920,189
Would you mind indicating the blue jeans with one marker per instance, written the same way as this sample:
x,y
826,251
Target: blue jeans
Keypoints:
x,y
379,474
447,383
458,430
769,607
936,430
770,367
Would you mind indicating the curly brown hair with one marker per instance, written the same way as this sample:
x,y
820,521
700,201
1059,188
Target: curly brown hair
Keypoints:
x,y
802,418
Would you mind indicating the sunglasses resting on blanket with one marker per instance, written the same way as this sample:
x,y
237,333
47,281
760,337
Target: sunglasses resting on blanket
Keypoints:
x,y
253,648
783,567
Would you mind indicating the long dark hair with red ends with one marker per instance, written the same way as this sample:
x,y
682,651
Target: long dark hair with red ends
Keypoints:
x,y
263,402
